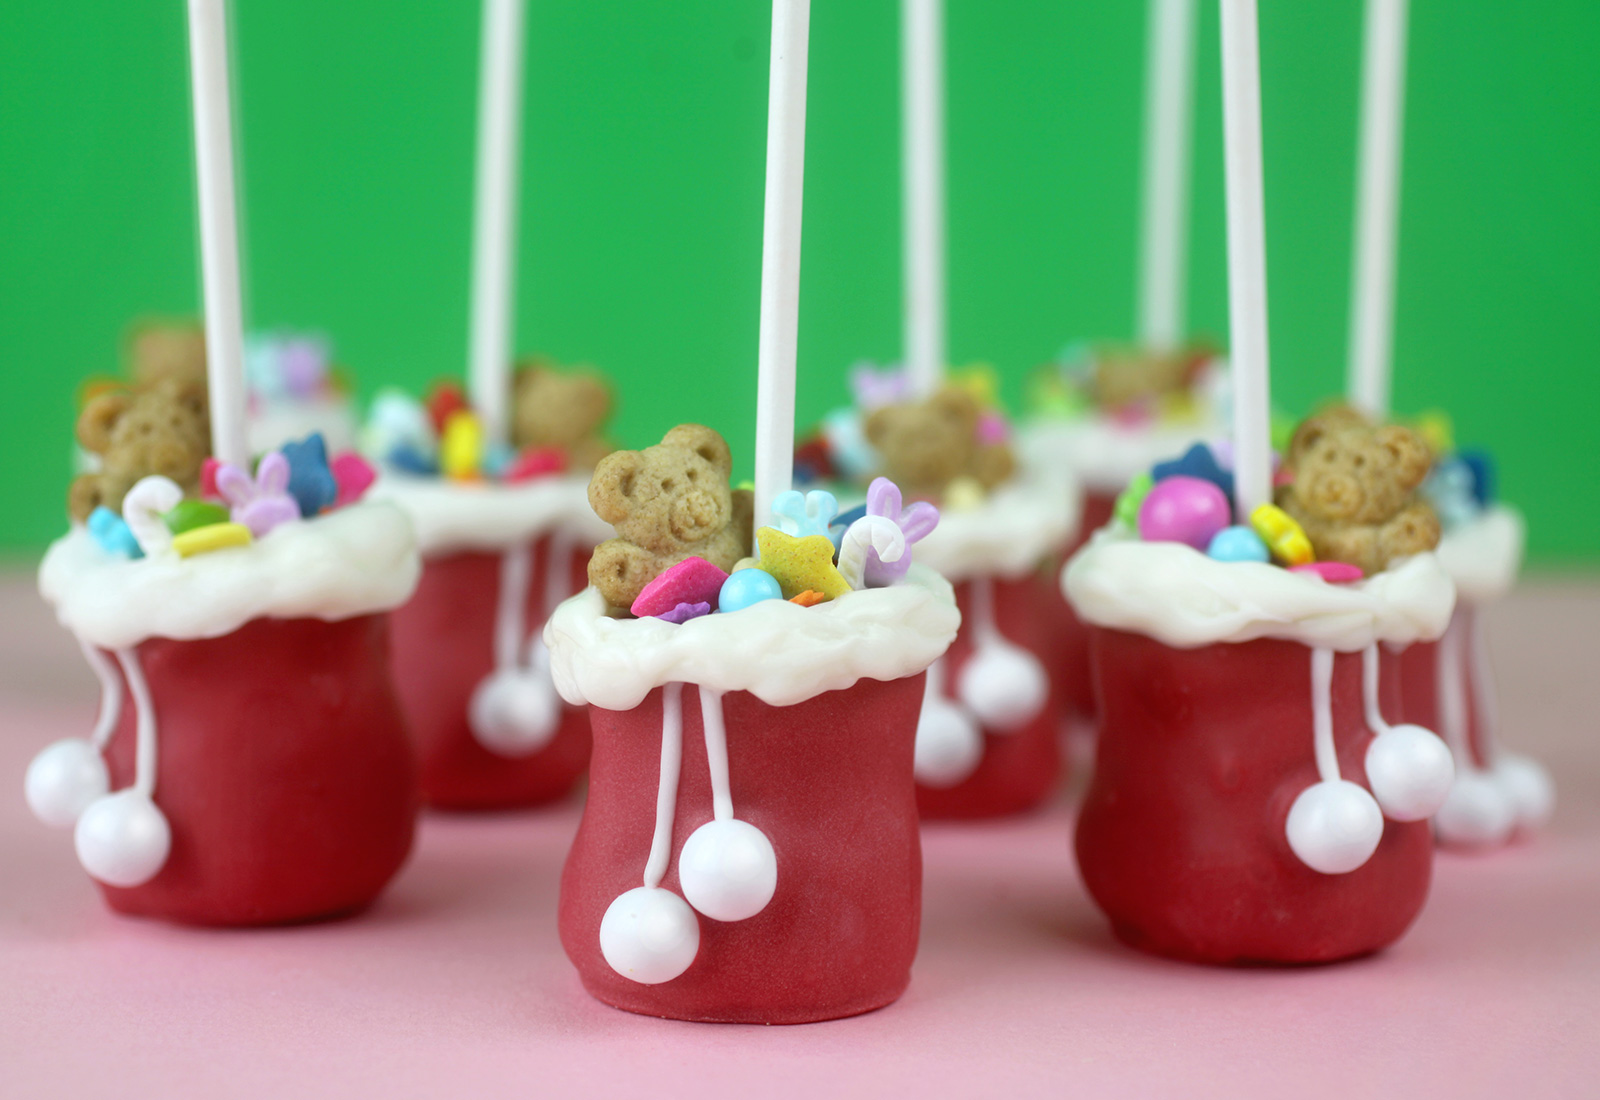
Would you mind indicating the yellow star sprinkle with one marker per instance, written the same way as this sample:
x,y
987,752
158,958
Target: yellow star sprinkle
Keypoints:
x,y
800,563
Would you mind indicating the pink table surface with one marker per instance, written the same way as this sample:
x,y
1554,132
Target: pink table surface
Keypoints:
x,y
455,985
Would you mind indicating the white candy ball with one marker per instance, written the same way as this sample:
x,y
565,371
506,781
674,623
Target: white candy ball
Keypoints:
x,y
1477,813
649,935
123,839
728,870
949,744
1527,783
1003,685
63,780
1334,827
1410,772
514,712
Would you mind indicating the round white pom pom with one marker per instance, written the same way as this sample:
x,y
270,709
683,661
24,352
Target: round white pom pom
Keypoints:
x,y
728,870
649,935
514,712
123,839
1003,685
1410,772
1527,783
1477,812
949,744
63,779
1334,827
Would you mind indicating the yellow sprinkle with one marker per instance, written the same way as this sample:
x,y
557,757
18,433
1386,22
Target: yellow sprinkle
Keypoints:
x,y
461,446
964,494
1283,536
214,536
800,563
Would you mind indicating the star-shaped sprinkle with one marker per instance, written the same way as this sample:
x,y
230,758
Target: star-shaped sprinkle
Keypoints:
x,y
799,564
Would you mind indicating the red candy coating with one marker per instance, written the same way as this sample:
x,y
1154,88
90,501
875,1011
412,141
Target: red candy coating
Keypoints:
x,y
443,648
1066,637
1019,769
1181,837
283,769
829,782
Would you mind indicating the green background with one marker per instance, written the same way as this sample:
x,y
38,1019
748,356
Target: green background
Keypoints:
x,y
641,205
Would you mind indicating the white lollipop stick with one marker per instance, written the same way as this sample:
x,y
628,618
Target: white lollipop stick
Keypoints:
x,y
219,233
1247,257
494,232
780,252
1383,92
878,533
922,189
1168,113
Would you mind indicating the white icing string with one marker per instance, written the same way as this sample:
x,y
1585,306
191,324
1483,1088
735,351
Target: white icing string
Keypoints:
x,y
110,694
1483,696
655,869
1452,696
556,588
516,568
983,625
144,770
1322,714
716,753
1369,690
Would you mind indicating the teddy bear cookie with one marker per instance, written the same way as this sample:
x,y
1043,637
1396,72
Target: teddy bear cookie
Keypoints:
x,y
1125,379
1354,490
161,428
668,502
926,445
560,410
160,350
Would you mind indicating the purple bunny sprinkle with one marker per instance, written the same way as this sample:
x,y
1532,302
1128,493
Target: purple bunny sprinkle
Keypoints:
x,y
263,502
883,499
875,388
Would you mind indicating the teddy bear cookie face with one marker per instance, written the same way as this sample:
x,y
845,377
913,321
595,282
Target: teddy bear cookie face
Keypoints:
x,y
161,351
667,503
1354,490
159,429
1127,378
925,445
563,410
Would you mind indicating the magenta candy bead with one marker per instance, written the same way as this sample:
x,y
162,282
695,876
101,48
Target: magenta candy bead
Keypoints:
x,y
1183,509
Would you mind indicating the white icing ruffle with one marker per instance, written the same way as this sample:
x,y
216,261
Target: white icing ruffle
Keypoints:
x,y
354,561
1016,527
275,422
455,515
1483,556
1184,599
1105,454
780,652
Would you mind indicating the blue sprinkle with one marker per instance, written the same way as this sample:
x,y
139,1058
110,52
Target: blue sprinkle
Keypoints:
x,y
1197,461
1237,544
409,459
113,534
1481,463
311,483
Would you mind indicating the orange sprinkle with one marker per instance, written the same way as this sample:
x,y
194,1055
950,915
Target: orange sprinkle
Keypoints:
x,y
809,598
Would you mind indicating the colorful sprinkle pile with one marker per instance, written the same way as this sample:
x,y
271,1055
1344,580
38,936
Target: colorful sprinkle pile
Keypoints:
x,y
444,437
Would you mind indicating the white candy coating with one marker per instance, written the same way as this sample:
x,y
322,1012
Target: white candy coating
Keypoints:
x,y
354,561
1410,772
780,652
123,839
1334,826
1477,813
1019,525
728,870
1528,787
949,742
1185,599
1105,454
514,712
454,515
649,935
1003,685
63,780
1484,555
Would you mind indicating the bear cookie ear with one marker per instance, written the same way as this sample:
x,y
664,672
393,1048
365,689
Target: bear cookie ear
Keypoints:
x,y
99,417
611,488
1409,452
703,441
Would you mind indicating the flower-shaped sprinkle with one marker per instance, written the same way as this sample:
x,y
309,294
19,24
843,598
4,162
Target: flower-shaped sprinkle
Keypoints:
x,y
263,502
803,514
915,522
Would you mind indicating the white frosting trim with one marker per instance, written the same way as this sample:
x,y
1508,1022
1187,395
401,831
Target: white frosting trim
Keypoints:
x,y
1016,527
780,652
1184,599
456,515
1105,454
354,561
1483,556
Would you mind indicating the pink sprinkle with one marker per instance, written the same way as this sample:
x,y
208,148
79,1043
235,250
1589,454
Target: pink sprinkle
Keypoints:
x,y
992,428
353,474
208,479
691,581
1334,572
535,462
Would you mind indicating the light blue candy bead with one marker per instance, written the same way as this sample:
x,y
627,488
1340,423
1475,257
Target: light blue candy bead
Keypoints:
x,y
747,586
1237,544
111,531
